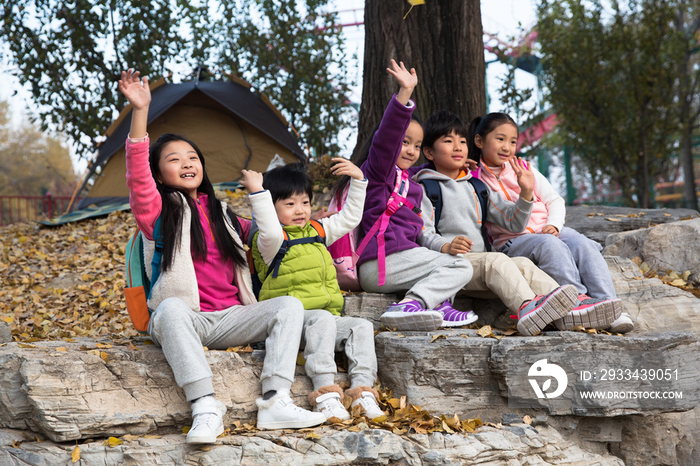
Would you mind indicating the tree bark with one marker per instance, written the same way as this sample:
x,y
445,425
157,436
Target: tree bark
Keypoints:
x,y
442,40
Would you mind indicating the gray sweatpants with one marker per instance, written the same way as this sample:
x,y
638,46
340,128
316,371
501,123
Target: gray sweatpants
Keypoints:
x,y
571,259
431,277
181,333
324,334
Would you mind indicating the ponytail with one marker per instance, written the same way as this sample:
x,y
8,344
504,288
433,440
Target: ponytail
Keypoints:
x,y
473,151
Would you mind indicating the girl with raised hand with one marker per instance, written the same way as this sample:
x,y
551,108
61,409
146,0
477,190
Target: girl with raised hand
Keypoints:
x,y
391,260
566,255
203,295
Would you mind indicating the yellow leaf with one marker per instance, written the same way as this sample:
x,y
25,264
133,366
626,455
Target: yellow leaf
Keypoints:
x,y
61,348
667,215
416,2
394,403
100,345
9,320
312,435
437,337
153,436
104,356
25,345
679,282
75,456
300,359
380,419
610,219
22,239
112,442
485,331
446,428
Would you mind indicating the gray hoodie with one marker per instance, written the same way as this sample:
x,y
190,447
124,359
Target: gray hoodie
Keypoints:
x,y
461,212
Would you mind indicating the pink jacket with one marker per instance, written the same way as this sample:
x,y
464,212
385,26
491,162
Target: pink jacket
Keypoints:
x,y
215,280
548,208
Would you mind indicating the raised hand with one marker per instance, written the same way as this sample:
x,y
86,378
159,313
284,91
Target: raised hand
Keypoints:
x,y
252,181
406,79
134,89
526,179
344,166
459,245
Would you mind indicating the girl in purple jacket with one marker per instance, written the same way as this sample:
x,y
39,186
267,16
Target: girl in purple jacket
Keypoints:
x,y
390,258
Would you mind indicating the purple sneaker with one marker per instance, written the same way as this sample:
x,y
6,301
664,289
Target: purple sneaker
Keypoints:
x,y
451,317
411,316
534,315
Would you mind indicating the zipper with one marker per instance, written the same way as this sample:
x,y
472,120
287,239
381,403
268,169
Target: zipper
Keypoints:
x,y
211,233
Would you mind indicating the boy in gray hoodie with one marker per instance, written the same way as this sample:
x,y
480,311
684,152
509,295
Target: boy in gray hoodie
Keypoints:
x,y
526,290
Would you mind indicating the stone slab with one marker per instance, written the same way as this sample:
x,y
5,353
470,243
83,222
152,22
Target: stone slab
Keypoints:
x,y
465,373
490,446
597,227
74,394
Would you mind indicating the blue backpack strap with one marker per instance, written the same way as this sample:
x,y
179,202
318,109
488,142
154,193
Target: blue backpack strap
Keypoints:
x,y
482,193
157,255
432,190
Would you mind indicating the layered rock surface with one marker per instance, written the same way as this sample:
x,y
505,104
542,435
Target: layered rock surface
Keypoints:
x,y
514,445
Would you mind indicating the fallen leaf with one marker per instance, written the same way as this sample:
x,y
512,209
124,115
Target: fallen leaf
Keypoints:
x,y
300,359
104,356
437,337
610,219
312,435
75,455
61,348
25,345
112,442
485,331
129,437
667,215
527,419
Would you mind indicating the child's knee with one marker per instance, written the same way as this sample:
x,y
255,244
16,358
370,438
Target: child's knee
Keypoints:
x,y
171,312
289,308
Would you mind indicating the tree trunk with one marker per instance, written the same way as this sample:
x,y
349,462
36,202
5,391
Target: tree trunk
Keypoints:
x,y
690,199
442,40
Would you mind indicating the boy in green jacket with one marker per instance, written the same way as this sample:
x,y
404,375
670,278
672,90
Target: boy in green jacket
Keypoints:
x,y
293,245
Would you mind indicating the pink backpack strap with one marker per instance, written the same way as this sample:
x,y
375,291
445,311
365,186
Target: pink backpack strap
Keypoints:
x,y
397,199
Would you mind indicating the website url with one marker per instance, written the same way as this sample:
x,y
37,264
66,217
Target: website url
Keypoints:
x,y
630,395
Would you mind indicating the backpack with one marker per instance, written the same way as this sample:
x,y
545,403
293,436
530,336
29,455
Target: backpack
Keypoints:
x,y
432,190
138,287
274,266
343,251
396,201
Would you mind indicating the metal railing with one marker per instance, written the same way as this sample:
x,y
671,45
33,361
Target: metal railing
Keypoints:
x,y
14,209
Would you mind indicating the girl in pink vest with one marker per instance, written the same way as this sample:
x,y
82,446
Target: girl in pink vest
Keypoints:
x,y
567,256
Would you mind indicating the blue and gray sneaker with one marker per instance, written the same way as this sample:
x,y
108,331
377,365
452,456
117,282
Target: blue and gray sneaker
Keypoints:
x,y
411,316
534,315
451,317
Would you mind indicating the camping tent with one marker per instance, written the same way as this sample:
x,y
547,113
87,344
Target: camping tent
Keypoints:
x,y
234,127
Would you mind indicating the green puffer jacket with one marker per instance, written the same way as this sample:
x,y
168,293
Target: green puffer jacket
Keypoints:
x,y
306,272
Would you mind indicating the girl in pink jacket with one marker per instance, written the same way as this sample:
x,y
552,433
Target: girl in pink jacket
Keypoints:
x,y
566,255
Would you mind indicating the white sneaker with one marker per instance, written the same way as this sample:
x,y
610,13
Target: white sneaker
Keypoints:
x,y
280,412
622,324
369,403
331,406
207,420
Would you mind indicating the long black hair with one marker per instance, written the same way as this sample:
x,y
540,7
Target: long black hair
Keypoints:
x,y
361,157
171,213
482,127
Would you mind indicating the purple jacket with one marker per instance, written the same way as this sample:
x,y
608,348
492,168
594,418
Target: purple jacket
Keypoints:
x,y
380,169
